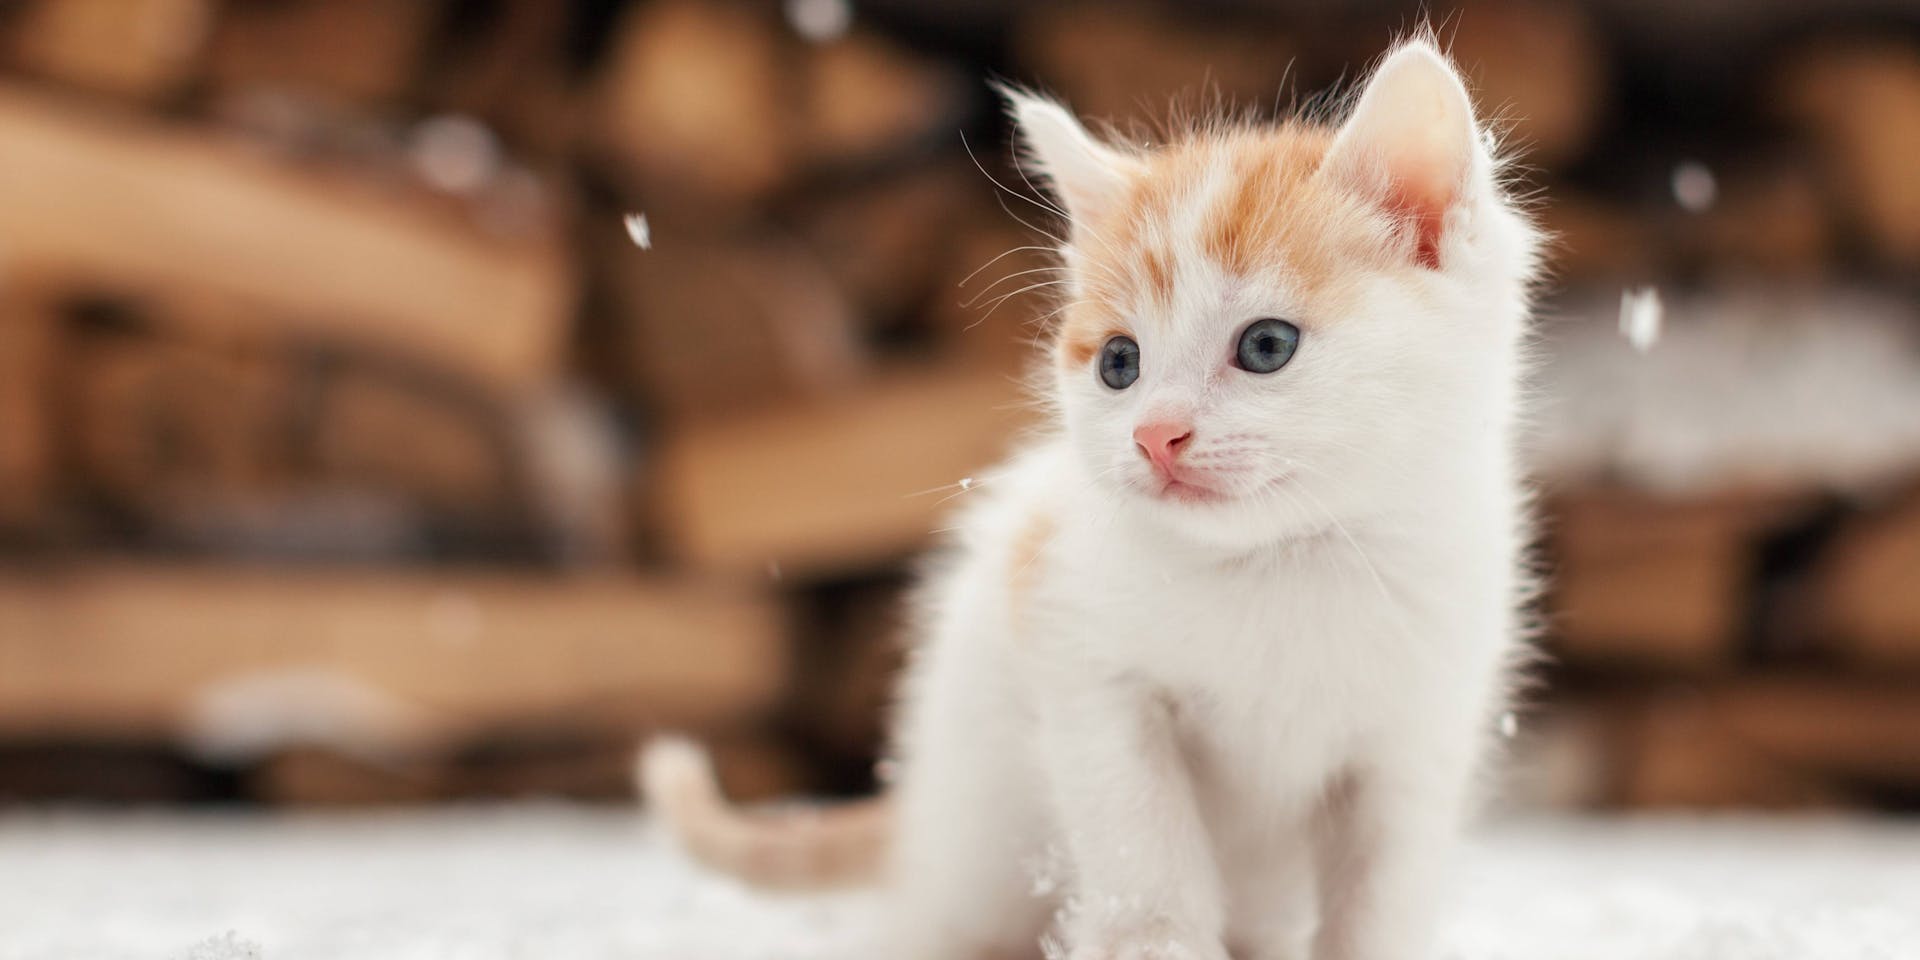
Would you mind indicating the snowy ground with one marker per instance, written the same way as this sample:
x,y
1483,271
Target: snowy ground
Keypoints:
x,y
562,884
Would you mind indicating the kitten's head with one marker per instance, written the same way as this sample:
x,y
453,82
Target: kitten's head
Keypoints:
x,y
1268,328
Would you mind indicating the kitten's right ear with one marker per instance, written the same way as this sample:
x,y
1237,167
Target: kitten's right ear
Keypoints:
x,y
1411,143
1088,177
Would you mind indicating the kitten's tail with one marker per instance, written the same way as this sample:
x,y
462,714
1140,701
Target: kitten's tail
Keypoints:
x,y
790,849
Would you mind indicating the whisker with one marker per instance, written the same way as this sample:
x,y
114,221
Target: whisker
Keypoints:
x,y
927,491
1022,273
1003,298
1009,253
1042,204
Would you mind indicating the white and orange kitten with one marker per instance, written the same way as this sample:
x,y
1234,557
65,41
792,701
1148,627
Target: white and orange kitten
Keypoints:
x,y
1217,659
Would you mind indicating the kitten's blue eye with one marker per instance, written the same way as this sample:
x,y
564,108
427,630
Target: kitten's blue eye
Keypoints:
x,y
1266,345
1119,363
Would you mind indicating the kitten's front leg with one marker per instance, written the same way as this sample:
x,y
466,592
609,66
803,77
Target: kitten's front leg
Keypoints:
x,y
1387,833
1145,886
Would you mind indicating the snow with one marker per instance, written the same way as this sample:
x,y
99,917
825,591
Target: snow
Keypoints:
x,y
227,946
1640,314
1694,186
819,20
520,883
1764,388
638,230
255,714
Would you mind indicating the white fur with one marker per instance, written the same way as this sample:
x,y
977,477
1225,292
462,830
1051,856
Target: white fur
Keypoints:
x,y
1251,724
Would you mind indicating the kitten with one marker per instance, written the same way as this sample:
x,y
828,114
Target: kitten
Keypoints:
x,y
1217,658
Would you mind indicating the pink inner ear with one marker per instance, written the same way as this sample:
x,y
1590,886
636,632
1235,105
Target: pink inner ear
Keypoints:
x,y
1423,210
1410,144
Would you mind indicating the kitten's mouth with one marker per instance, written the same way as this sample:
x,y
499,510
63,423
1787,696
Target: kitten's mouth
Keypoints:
x,y
1183,487
1185,490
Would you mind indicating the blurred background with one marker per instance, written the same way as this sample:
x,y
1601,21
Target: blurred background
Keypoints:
x,y
355,449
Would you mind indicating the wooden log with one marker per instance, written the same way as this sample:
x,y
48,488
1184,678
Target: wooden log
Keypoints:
x,y
1676,754
165,428
691,99
1866,592
1140,67
508,67
446,450
717,99
110,203
855,479
752,765
1597,240
29,344
137,49
1859,101
887,244
364,51
751,762
1774,741
1770,219
93,771
1859,729
864,98
574,464
1539,65
314,777
1648,582
249,449
427,657
846,685
250,446
714,325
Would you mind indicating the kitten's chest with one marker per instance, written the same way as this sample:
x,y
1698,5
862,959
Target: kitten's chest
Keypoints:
x,y
1274,673
1279,658
1255,624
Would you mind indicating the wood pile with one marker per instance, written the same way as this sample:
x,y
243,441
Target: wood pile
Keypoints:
x,y
327,350
136,49
1749,648
1800,739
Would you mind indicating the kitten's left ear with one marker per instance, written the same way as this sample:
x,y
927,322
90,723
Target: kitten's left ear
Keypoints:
x,y
1088,177
1411,143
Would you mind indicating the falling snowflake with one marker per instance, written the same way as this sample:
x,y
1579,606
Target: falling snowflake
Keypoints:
x,y
819,20
1694,187
638,231
1640,314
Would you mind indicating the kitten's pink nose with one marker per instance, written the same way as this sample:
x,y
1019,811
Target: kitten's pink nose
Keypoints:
x,y
1161,441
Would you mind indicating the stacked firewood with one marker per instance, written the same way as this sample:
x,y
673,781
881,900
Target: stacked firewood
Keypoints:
x,y
344,395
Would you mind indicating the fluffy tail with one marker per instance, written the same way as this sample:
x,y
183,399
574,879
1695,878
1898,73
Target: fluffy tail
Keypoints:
x,y
800,848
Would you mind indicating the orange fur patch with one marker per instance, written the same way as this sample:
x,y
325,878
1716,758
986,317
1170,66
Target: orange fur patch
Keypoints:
x,y
1270,213
1077,346
1027,548
1086,327
1262,216
1157,273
